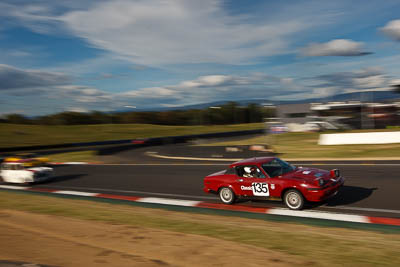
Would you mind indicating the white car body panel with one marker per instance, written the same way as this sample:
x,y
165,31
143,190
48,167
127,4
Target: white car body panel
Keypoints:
x,y
14,173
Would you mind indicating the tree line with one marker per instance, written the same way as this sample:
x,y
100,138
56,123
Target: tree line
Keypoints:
x,y
230,113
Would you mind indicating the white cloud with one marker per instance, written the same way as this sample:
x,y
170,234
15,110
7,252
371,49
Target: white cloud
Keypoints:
x,y
392,29
258,86
12,78
77,109
362,80
355,81
151,93
218,81
156,32
210,80
54,85
40,15
82,94
212,88
47,91
338,47
100,64
375,81
19,53
33,16
57,90
394,82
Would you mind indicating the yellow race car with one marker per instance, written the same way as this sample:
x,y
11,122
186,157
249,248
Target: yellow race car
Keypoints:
x,y
28,159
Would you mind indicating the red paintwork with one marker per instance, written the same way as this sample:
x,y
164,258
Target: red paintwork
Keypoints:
x,y
39,189
139,141
120,197
381,220
304,180
229,207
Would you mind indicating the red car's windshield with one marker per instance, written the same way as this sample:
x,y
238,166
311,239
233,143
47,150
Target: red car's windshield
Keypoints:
x,y
277,167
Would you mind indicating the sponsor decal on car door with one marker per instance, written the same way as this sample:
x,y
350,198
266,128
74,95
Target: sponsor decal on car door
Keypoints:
x,y
254,187
260,189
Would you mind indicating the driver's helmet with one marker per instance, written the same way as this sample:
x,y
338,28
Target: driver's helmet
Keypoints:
x,y
247,170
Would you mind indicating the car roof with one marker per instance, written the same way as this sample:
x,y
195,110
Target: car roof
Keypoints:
x,y
257,160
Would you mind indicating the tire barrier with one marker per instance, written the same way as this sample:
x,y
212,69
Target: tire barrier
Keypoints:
x,y
115,146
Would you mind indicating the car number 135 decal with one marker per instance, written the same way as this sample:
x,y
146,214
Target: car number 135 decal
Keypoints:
x,y
260,189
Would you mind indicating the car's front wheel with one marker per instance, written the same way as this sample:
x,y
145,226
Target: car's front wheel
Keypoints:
x,y
226,195
293,199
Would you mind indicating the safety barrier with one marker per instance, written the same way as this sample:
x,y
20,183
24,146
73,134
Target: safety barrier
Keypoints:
x,y
129,143
359,138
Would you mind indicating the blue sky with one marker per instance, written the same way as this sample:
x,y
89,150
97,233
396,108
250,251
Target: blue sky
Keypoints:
x,y
104,55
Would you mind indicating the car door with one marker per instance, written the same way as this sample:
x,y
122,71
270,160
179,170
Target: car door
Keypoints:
x,y
256,185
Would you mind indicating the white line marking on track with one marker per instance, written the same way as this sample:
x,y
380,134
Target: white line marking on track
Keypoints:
x,y
76,193
189,196
346,164
156,155
319,215
14,187
273,211
189,158
166,201
363,209
232,160
131,191
160,164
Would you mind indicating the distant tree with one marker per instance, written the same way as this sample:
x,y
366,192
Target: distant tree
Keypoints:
x,y
49,120
17,119
229,113
75,118
397,88
213,116
98,117
254,113
268,112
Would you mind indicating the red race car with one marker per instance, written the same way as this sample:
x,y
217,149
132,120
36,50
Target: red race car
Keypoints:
x,y
273,178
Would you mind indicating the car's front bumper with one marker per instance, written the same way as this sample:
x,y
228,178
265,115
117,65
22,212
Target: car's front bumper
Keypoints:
x,y
317,195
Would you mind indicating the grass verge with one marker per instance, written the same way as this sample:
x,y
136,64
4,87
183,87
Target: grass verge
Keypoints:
x,y
305,145
12,135
318,245
79,156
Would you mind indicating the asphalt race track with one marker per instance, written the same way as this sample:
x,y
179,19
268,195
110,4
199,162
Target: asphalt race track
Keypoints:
x,y
371,188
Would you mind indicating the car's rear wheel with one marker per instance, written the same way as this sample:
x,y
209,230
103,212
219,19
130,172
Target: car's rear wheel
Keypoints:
x,y
293,199
226,195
